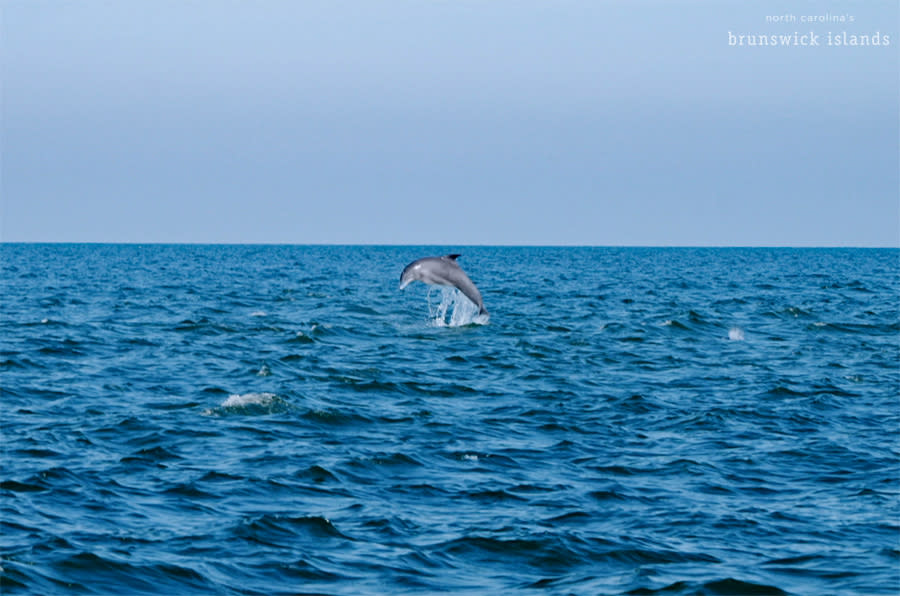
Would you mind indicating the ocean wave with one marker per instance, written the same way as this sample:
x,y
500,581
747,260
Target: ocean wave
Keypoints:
x,y
278,530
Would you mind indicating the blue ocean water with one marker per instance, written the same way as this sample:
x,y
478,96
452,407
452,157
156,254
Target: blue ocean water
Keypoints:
x,y
283,420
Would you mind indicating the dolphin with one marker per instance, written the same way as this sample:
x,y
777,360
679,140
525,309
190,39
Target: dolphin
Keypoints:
x,y
442,271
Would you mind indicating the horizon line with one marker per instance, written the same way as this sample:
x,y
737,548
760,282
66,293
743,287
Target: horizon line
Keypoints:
x,y
415,244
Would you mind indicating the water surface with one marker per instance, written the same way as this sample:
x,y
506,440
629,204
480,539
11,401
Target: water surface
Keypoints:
x,y
281,419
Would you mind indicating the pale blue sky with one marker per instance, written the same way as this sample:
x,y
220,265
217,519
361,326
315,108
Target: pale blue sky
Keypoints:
x,y
447,122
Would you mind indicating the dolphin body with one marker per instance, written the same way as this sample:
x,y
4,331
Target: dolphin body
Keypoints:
x,y
442,271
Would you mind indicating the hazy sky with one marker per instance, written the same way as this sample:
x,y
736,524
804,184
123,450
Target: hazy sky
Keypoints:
x,y
450,122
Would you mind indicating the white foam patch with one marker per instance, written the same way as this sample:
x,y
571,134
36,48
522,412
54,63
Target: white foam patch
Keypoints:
x,y
736,334
248,399
249,404
259,313
454,310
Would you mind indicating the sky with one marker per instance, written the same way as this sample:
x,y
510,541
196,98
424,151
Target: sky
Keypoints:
x,y
451,122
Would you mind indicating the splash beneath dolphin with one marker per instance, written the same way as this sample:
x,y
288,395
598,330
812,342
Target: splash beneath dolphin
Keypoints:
x,y
461,299
453,310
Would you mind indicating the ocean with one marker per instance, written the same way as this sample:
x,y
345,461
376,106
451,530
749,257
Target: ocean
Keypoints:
x,y
183,419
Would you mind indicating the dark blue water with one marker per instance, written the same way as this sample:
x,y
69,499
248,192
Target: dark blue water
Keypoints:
x,y
273,420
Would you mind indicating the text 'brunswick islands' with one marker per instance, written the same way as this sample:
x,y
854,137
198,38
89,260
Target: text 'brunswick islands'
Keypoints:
x,y
810,39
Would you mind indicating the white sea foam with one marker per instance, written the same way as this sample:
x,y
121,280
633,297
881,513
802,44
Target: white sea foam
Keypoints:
x,y
259,313
247,403
736,334
454,310
248,399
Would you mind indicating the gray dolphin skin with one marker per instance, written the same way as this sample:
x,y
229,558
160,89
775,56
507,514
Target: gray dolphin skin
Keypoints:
x,y
442,271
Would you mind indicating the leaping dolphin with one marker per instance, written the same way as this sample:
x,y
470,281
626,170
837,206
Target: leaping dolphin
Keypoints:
x,y
442,271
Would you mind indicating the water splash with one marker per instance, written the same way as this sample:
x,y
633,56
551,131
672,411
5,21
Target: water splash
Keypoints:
x,y
249,404
454,309
736,334
248,399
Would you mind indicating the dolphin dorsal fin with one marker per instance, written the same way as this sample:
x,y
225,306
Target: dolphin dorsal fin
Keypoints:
x,y
453,257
